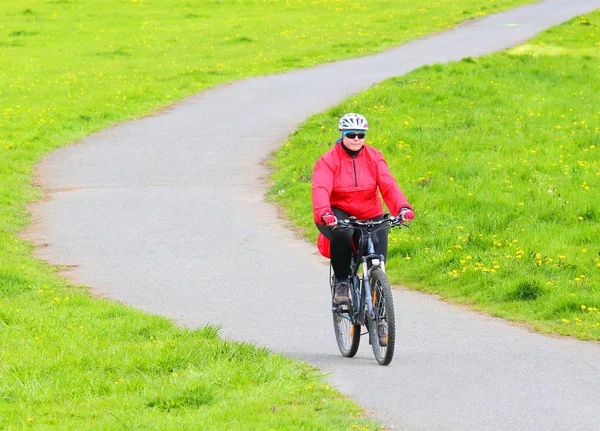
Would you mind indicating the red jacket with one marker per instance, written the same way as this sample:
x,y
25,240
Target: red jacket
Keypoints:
x,y
351,184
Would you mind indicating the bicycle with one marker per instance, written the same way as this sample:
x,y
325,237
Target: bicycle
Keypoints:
x,y
371,302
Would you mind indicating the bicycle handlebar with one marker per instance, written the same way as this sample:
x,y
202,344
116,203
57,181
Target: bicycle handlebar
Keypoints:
x,y
353,222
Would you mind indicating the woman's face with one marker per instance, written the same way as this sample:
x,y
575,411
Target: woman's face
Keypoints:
x,y
353,141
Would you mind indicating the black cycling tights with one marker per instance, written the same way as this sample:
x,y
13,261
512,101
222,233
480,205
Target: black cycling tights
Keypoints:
x,y
341,244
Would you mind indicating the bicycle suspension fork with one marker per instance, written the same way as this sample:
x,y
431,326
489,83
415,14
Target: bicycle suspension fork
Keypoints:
x,y
375,263
367,286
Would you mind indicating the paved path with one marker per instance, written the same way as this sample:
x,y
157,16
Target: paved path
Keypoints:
x,y
166,213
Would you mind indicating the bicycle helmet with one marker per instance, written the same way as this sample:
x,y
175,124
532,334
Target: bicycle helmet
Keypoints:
x,y
354,122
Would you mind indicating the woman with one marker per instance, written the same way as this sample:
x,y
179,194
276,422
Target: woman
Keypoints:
x,y
345,182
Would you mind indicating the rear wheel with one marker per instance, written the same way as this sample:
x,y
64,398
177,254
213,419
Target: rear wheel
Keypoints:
x,y
382,329
347,335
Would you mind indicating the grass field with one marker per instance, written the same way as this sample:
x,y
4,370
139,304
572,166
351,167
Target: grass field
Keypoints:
x,y
500,157
83,364
72,67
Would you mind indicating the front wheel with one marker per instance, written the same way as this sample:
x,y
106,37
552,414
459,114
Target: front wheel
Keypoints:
x,y
382,329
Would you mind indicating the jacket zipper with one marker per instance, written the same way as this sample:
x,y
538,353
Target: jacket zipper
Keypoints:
x,y
354,165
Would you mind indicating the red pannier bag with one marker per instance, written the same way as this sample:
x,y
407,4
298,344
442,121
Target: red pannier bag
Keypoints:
x,y
323,245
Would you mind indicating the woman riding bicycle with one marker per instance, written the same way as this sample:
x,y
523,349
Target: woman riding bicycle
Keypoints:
x,y
345,182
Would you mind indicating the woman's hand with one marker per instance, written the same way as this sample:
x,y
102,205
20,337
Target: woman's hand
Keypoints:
x,y
406,215
329,219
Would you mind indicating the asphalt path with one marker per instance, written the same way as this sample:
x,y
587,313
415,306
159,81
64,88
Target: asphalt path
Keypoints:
x,y
167,214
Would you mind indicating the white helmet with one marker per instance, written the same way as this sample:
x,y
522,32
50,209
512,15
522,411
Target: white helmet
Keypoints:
x,y
353,121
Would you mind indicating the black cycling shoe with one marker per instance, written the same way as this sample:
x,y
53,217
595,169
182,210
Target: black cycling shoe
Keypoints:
x,y
341,295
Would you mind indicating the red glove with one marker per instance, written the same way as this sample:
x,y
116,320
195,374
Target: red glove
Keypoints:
x,y
328,219
406,214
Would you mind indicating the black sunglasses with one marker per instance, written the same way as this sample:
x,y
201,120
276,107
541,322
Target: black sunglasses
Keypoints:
x,y
352,135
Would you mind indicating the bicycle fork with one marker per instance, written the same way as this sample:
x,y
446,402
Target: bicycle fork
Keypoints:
x,y
375,263
368,293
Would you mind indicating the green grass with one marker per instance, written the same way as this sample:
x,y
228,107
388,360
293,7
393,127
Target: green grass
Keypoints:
x,y
72,67
83,364
500,157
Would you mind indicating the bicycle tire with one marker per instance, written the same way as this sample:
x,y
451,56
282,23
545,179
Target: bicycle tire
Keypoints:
x,y
347,335
383,310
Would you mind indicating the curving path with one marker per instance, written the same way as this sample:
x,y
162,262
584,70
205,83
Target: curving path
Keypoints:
x,y
168,215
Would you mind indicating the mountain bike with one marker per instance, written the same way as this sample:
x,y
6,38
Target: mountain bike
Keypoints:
x,y
371,303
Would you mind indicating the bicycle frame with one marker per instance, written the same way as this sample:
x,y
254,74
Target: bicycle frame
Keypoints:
x,y
362,296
